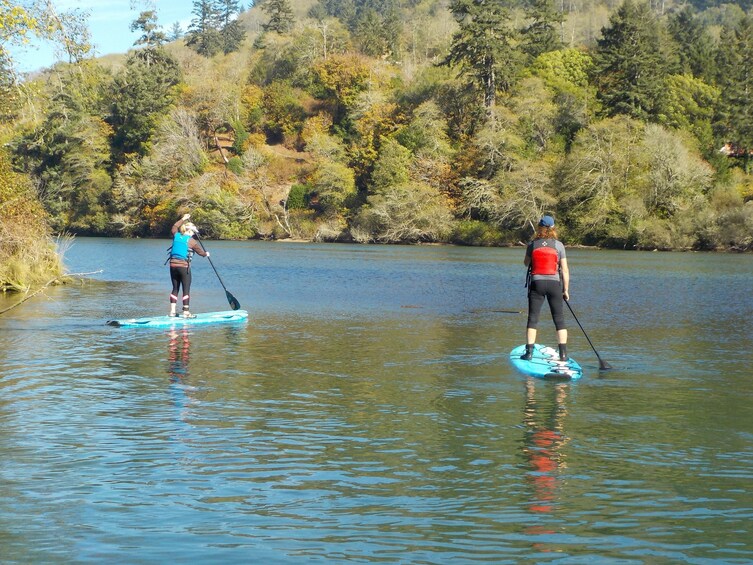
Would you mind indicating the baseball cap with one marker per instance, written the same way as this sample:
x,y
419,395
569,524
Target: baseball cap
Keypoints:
x,y
547,222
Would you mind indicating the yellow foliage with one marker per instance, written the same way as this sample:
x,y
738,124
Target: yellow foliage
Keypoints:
x,y
256,140
252,96
27,255
344,75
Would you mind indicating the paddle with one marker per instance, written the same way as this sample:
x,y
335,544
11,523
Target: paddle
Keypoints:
x,y
234,304
603,365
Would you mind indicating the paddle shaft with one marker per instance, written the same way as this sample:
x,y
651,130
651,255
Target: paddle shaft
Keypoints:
x,y
234,304
603,365
210,262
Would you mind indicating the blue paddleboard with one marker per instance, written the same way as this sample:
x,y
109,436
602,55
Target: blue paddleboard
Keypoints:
x,y
173,321
545,363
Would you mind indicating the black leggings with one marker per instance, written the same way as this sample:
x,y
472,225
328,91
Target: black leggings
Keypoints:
x,y
181,276
552,291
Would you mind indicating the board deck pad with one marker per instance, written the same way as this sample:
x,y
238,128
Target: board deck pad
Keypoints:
x,y
545,363
172,321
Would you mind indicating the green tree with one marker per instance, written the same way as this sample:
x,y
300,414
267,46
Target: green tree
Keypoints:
x,y
151,32
403,213
68,154
333,183
690,104
176,32
281,19
283,113
426,133
735,115
597,182
677,178
142,93
695,45
377,32
232,32
541,35
629,68
566,73
483,46
203,33
391,168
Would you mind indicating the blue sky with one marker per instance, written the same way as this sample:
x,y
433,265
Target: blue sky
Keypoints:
x,y
109,25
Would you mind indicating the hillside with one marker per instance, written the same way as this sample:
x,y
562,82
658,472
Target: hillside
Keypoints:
x,y
390,123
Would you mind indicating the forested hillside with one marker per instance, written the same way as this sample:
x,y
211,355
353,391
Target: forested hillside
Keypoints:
x,y
405,121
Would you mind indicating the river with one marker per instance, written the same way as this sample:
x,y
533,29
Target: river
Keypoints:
x,y
368,412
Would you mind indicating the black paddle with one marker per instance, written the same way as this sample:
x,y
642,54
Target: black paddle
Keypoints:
x,y
234,304
603,365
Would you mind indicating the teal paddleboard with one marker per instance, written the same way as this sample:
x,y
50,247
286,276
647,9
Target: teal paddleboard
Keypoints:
x,y
545,363
178,321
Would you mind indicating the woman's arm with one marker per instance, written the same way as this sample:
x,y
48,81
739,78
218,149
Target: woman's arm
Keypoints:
x,y
565,279
176,225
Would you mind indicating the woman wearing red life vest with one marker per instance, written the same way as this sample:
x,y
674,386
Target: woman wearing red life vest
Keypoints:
x,y
549,280
184,246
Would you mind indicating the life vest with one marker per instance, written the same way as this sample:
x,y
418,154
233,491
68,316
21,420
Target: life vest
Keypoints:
x,y
544,257
180,249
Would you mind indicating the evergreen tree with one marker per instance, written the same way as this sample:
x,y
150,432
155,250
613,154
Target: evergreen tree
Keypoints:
x,y
482,47
695,45
203,33
68,153
542,34
152,35
735,117
176,32
281,19
233,33
141,94
629,69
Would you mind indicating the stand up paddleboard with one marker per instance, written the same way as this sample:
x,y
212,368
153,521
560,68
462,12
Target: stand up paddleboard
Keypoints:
x,y
545,363
172,321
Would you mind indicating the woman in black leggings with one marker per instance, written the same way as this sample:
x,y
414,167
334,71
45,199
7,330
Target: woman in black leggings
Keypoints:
x,y
550,281
184,246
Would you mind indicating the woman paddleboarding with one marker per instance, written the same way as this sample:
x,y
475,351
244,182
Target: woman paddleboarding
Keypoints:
x,y
548,279
184,246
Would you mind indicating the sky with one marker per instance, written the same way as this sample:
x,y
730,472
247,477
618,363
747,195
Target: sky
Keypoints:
x,y
109,24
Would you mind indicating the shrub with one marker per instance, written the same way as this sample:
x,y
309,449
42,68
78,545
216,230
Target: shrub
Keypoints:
x,y
475,232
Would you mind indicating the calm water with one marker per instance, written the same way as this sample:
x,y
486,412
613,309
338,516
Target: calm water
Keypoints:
x,y
367,413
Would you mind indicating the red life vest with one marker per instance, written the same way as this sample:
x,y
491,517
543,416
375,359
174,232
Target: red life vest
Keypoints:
x,y
544,258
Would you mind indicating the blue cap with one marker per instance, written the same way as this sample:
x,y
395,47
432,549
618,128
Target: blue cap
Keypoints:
x,y
547,222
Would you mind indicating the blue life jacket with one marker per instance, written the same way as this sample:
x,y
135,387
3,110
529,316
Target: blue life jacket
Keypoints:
x,y
180,249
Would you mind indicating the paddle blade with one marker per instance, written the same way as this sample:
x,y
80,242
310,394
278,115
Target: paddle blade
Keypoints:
x,y
603,365
234,304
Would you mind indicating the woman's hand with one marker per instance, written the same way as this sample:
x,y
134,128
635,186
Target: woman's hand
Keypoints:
x,y
186,217
565,295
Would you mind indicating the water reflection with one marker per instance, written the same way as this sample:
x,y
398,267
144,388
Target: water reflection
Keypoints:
x,y
179,352
543,418
178,359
